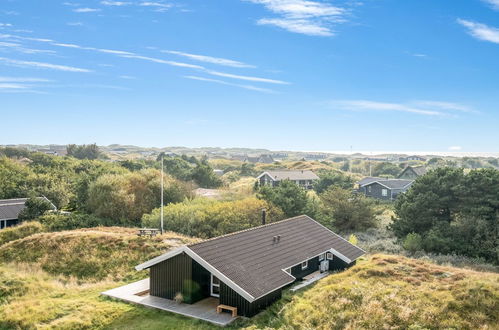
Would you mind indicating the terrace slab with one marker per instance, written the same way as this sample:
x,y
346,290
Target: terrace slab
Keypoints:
x,y
138,293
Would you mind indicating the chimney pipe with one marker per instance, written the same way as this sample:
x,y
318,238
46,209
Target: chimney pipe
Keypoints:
x,y
264,216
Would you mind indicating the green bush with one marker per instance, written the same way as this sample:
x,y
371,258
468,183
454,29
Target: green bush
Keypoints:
x,y
208,218
23,230
413,242
59,222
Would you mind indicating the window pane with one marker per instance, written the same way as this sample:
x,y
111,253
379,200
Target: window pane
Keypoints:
x,y
216,280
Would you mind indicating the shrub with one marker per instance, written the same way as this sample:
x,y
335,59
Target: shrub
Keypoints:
x,y
59,222
23,230
413,242
35,207
347,211
353,239
208,218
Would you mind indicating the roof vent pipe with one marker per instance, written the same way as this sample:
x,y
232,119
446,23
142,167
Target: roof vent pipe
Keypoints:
x,y
264,216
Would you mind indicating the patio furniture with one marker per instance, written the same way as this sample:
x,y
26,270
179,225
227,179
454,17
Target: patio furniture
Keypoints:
x,y
151,232
230,308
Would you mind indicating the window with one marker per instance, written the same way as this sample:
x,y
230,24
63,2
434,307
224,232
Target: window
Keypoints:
x,y
215,286
369,189
329,256
384,192
304,265
322,256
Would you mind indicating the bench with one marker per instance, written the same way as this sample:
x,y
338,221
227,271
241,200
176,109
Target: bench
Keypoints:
x,y
230,308
148,232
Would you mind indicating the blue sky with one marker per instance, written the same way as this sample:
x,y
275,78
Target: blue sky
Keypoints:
x,y
373,75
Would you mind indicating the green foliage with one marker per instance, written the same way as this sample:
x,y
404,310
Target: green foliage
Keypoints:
x,y
413,242
453,212
385,169
84,151
20,231
289,197
207,218
59,222
125,198
353,239
333,178
35,207
204,176
344,210
13,182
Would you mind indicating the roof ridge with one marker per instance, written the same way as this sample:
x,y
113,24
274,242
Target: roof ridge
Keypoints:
x,y
250,229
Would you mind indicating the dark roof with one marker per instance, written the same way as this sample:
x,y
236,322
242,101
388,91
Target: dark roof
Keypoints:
x,y
291,175
393,183
10,208
253,261
419,170
367,180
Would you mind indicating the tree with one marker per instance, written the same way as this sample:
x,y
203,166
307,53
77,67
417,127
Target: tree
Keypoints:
x,y
288,196
84,151
13,179
333,178
453,212
344,210
35,207
124,198
385,169
204,176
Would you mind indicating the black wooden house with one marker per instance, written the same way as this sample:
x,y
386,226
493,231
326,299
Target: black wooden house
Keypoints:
x,y
249,269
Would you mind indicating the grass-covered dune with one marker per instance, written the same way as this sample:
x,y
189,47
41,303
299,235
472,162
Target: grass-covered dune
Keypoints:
x,y
90,254
54,280
391,292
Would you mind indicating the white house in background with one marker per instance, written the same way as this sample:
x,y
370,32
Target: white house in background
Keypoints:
x,y
303,178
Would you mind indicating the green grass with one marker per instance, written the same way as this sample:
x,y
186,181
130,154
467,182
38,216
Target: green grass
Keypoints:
x,y
380,292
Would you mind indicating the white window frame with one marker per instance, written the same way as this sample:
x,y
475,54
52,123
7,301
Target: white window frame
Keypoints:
x,y
369,189
329,255
322,256
384,192
214,285
304,265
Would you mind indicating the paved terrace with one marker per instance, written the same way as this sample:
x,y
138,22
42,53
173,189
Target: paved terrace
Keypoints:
x,y
138,293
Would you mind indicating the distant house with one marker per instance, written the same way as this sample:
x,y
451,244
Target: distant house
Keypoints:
x,y
412,172
218,172
10,209
247,270
302,178
385,189
414,157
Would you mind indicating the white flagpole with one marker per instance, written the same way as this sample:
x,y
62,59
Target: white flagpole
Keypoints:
x,y
162,194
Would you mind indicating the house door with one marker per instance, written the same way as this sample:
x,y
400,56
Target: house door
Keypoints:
x,y
214,286
324,266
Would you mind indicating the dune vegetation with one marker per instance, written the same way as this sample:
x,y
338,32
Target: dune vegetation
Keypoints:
x,y
54,280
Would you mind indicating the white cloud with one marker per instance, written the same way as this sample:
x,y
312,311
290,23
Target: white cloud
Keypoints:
x,y
365,105
298,26
42,65
303,16
249,87
21,49
127,77
86,10
493,3
12,86
209,59
22,80
75,23
481,31
115,3
5,25
248,78
445,106
455,148
160,7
